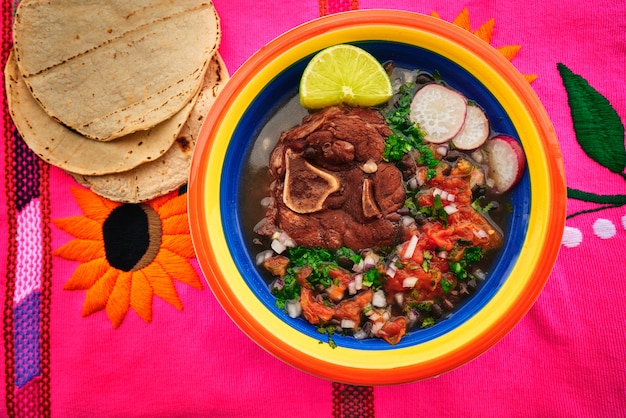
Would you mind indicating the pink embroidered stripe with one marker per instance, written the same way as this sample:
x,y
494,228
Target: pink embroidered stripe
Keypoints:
x,y
26,321
336,6
28,270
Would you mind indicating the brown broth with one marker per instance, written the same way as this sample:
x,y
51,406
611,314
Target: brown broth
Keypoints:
x,y
255,185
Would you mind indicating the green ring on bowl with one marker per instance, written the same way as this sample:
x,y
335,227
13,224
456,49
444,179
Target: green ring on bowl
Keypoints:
x,y
485,327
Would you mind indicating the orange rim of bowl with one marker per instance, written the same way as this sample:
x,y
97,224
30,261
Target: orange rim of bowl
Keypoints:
x,y
488,325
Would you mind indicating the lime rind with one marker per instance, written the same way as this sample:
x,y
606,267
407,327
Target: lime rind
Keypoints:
x,y
344,74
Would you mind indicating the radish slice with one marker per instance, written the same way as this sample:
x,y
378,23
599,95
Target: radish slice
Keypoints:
x,y
506,162
475,130
439,111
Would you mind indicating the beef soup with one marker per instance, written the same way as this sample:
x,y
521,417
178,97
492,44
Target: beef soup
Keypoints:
x,y
357,239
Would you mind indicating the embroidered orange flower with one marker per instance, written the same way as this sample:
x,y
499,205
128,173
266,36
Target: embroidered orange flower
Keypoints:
x,y
485,32
129,253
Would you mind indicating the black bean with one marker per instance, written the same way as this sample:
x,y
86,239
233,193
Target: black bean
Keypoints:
x,y
424,78
345,262
436,310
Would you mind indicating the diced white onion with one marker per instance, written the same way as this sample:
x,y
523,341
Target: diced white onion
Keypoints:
x,y
263,256
267,201
347,323
259,224
357,268
379,300
412,183
451,197
283,237
391,270
479,274
411,316
421,178
371,259
278,246
386,316
374,316
352,287
450,209
407,220
377,327
477,156
444,195
442,150
399,298
442,254
294,309
370,166
278,284
360,334
481,233
410,248
358,281
437,191
409,282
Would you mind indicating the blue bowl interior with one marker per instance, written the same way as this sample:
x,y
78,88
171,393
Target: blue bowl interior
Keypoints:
x,y
284,87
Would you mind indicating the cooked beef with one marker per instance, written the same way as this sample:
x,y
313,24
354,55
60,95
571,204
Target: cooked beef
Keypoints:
x,y
331,187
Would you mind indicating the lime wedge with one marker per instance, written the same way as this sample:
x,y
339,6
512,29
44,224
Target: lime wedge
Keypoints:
x,y
344,74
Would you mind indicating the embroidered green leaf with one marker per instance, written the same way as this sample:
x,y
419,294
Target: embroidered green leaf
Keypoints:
x,y
599,129
606,201
611,199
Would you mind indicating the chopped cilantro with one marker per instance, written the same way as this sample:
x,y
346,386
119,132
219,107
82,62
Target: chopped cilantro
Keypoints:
x,y
411,205
477,205
446,285
458,268
373,278
329,331
406,135
289,291
424,306
397,146
301,256
426,263
318,259
428,322
349,254
427,158
436,211
473,255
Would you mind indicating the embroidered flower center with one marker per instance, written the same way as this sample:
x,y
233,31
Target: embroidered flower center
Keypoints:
x,y
132,236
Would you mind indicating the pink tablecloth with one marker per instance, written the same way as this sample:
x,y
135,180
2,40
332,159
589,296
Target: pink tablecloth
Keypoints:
x,y
176,353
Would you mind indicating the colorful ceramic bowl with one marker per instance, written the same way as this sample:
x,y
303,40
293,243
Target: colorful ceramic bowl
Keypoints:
x,y
268,80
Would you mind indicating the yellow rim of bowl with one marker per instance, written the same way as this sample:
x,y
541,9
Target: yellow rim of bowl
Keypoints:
x,y
483,329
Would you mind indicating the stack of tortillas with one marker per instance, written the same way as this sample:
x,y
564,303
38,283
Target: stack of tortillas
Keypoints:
x,y
115,91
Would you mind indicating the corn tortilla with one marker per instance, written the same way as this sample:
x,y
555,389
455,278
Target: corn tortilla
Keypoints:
x,y
170,171
107,68
65,148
